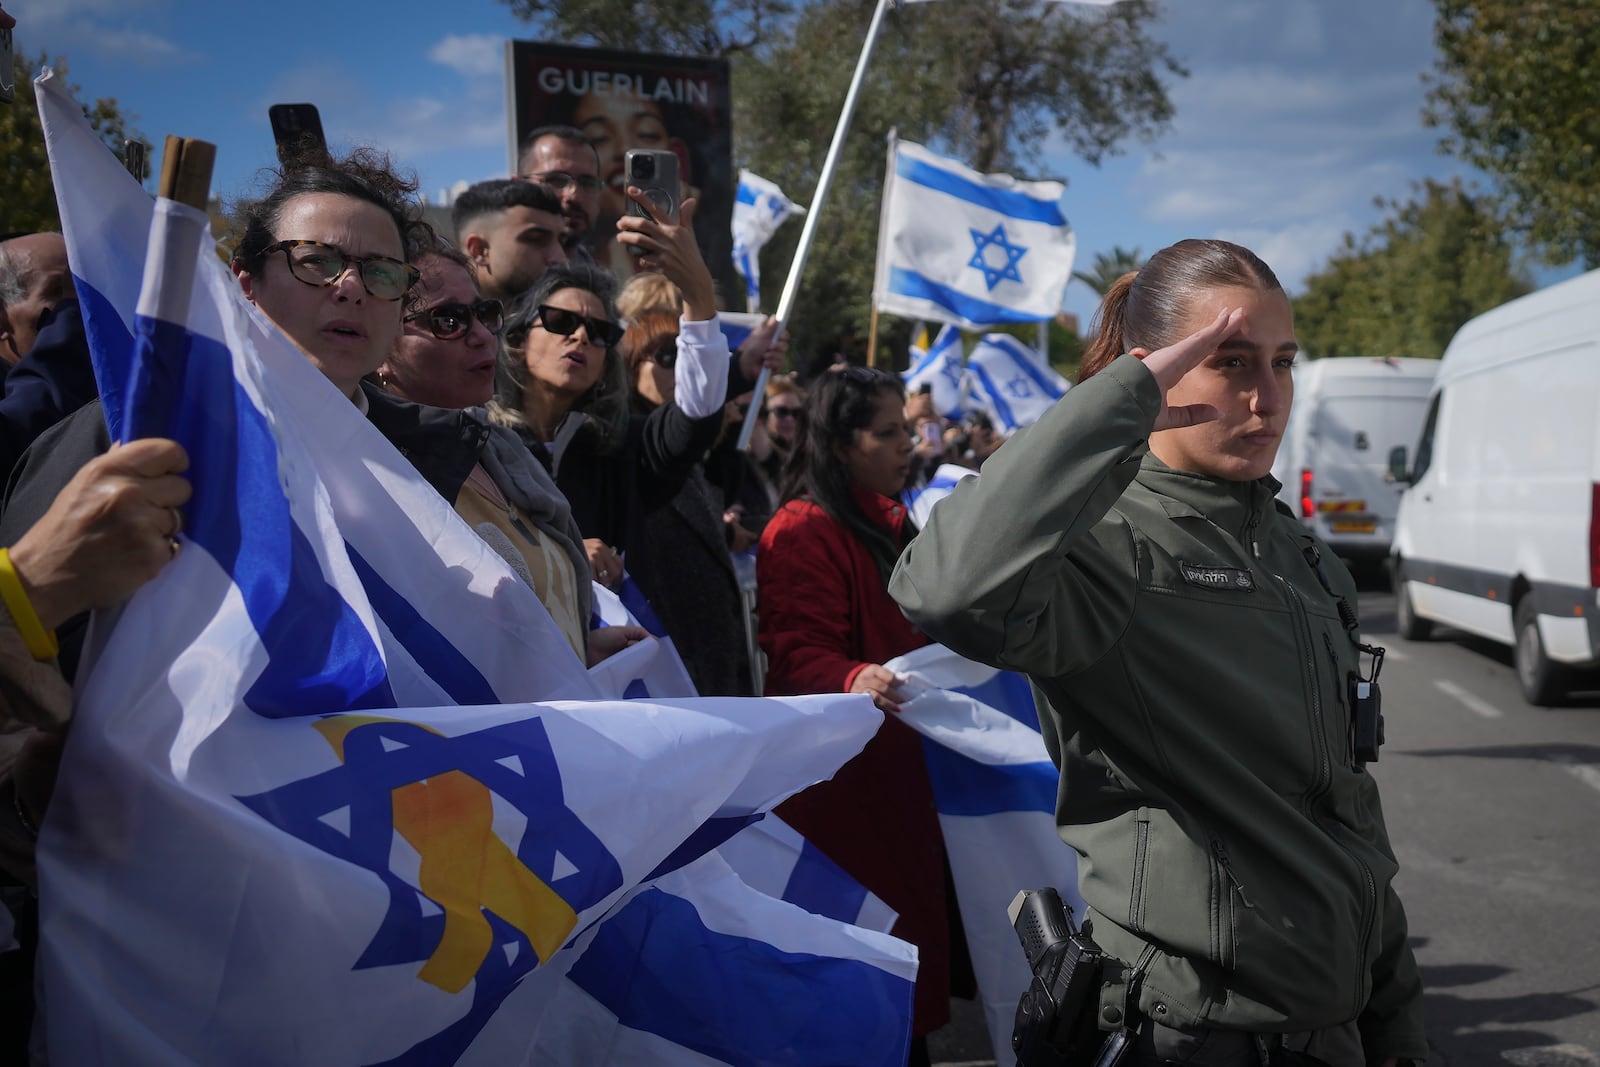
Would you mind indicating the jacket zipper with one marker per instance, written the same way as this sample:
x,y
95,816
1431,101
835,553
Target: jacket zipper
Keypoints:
x,y
1338,692
1319,735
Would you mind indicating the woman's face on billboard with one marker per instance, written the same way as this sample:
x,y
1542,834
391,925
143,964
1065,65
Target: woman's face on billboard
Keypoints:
x,y
614,124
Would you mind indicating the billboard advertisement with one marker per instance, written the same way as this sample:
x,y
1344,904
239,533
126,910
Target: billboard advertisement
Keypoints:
x,y
623,100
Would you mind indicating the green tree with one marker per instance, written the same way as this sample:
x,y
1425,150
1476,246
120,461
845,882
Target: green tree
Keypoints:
x,y
1407,285
696,27
28,203
989,83
1514,88
1108,267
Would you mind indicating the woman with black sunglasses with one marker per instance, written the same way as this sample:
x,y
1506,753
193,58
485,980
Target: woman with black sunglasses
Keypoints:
x,y
563,387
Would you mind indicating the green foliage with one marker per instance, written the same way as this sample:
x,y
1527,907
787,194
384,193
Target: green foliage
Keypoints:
x,y
1405,287
29,201
694,27
1108,267
1514,88
994,84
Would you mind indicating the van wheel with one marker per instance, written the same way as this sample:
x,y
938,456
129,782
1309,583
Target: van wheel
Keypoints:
x,y
1542,681
1410,625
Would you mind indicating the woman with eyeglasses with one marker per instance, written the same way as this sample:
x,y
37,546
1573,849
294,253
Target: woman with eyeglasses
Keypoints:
x,y
563,388
827,625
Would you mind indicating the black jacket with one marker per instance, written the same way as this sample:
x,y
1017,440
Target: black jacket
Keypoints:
x,y
52,381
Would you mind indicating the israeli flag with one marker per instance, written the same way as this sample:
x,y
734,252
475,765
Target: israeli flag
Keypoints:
x,y
1010,382
737,326
995,788
793,988
942,484
758,210
308,813
940,367
972,249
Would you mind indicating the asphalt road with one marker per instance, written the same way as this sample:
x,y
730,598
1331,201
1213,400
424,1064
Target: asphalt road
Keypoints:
x,y
1493,809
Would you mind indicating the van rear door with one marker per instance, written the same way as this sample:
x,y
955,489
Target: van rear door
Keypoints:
x,y
1352,493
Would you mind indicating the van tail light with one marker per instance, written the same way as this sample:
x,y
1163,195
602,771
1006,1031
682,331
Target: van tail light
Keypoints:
x,y
1308,508
1594,537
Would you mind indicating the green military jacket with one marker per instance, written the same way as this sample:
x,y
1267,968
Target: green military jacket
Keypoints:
x,y
1191,670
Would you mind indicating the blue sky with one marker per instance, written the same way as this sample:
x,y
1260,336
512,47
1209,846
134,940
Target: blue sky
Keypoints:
x,y
1297,113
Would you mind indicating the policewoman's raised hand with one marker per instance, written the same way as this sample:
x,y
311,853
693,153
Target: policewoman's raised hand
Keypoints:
x,y
670,247
108,531
1171,363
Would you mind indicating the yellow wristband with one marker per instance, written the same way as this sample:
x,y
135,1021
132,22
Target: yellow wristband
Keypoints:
x,y
40,642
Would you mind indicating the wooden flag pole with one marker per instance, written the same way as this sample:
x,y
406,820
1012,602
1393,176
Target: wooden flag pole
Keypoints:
x,y
186,166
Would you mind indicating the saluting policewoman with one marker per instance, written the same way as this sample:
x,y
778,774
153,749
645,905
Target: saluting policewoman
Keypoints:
x,y
1200,677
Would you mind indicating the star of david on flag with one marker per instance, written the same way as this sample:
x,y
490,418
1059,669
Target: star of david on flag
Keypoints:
x,y
1010,382
952,243
981,258
338,792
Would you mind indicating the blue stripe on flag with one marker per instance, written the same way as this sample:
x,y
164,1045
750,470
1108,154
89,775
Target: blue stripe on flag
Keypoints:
x,y
822,887
633,599
764,1006
1025,358
963,786
710,835
1007,692
440,659
746,195
1003,201
914,285
1001,408
110,350
323,659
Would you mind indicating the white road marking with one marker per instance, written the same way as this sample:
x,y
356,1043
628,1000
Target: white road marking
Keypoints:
x,y
1552,1056
1472,703
1587,773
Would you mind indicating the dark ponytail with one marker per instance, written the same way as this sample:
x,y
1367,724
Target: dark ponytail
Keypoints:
x,y
1147,308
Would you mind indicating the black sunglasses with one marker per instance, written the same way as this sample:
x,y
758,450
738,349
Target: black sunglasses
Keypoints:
x,y
781,411
315,263
665,353
449,321
559,320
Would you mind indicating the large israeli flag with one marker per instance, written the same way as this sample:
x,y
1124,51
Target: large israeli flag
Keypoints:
x,y
306,814
1010,382
972,249
939,368
995,788
758,210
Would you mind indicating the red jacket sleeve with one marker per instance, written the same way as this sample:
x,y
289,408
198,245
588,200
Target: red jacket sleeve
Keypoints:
x,y
806,611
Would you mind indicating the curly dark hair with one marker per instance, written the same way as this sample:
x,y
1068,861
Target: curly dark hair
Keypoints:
x,y
365,174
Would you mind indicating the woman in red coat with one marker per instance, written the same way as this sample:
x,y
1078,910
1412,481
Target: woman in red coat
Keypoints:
x,y
828,626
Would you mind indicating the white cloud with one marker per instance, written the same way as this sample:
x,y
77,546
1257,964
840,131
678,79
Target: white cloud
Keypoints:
x,y
473,56
65,26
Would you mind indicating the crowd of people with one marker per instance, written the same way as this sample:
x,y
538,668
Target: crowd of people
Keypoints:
x,y
1234,850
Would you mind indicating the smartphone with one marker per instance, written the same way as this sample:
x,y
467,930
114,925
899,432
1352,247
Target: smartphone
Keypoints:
x,y
135,156
296,130
655,171
8,87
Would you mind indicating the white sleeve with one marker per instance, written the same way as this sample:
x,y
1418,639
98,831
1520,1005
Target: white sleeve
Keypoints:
x,y
700,377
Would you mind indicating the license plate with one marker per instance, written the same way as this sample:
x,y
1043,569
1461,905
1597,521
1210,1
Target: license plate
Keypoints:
x,y
1365,526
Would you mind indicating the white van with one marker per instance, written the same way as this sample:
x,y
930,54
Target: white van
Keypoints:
x,y
1498,531
1349,413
